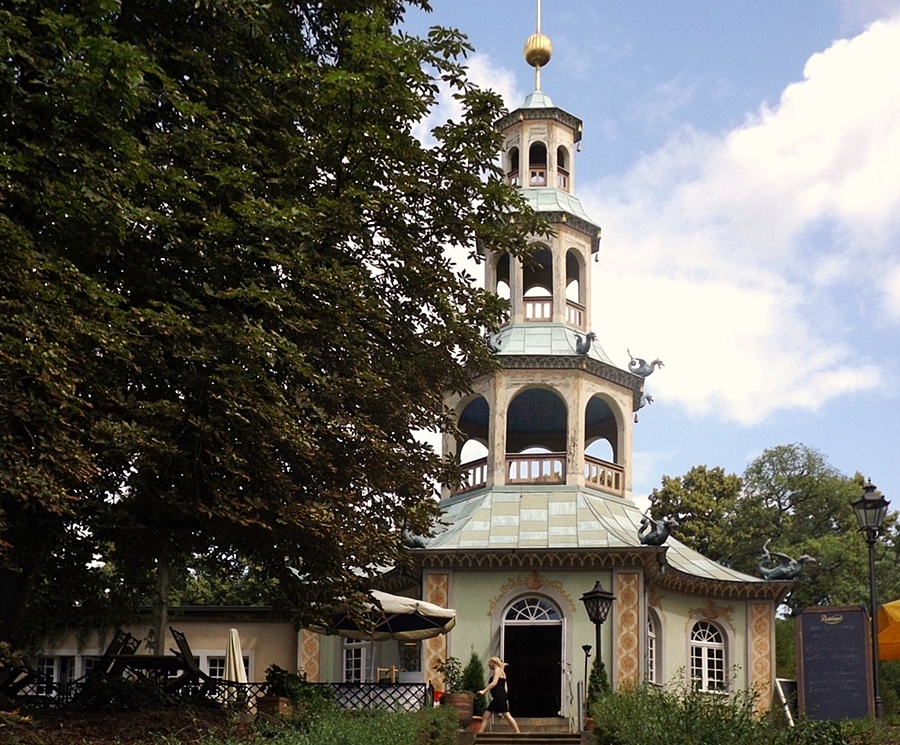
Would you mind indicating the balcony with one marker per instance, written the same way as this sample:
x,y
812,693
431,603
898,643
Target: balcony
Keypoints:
x,y
545,469
539,308
574,313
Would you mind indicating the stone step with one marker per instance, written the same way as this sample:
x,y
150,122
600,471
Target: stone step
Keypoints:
x,y
531,738
532,724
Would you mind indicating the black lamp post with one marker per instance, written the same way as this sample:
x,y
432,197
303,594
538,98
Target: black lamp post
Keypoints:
x,y
586,648
597,603
870,510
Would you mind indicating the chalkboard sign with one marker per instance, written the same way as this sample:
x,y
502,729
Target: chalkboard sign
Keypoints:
x,y
834,668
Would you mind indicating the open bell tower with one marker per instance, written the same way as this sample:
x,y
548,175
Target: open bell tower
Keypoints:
x,y
559,413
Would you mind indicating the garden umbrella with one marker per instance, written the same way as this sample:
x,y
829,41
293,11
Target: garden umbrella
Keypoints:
x,y
889,631
400,618
234,659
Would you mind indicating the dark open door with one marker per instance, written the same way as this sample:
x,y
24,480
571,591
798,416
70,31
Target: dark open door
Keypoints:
x,y
534,655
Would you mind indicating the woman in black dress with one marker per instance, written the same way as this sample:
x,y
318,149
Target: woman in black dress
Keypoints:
x,y
499,695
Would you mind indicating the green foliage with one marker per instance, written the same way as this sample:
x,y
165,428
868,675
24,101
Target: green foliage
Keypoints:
x,y
792,497
650,715
653,716
473,679
598,683
785,648
314,698
225,306
433,726
452,672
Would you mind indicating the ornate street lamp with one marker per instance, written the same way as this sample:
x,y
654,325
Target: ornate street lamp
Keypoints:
x,y
871,509
597,603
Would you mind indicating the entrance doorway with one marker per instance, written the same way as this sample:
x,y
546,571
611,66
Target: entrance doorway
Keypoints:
x,y
532,645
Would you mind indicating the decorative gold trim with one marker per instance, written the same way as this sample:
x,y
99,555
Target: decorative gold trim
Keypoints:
x,y
628,640
712,612
310,649
534,582
437,591
656,571
761,653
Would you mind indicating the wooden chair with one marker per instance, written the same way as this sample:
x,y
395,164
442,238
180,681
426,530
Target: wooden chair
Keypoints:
x,y
194,684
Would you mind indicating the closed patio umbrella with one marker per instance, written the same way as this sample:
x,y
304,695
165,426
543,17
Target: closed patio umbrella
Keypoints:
x,y
234,659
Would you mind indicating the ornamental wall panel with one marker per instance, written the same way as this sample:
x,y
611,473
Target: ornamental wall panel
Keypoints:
x,y
310,655
437,591
627,609
761,632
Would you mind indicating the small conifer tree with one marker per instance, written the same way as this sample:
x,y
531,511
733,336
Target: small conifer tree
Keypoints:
x,y
473,680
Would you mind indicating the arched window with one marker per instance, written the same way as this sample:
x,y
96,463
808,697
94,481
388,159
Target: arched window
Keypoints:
x,y
562,168
537,164
512,166
707,657
654,637
531,610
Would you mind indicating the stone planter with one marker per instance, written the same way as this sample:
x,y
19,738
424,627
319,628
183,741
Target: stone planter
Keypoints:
x,y
271,706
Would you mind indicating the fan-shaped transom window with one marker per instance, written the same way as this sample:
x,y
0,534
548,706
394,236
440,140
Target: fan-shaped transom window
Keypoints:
x,y
533,610
707,657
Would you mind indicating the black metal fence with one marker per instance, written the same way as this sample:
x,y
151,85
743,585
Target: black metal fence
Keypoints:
x,y
43,692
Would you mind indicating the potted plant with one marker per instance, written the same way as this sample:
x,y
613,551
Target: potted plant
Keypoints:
x,y
454,694
473,679
280,691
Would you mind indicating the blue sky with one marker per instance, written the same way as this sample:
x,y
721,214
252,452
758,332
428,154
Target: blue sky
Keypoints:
x,y
743,159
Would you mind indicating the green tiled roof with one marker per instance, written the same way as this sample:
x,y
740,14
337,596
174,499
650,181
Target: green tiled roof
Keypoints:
x,y
551,199
544,339
559,518
537,100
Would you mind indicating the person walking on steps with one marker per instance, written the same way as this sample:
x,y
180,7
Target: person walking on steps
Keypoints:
x,y
499,695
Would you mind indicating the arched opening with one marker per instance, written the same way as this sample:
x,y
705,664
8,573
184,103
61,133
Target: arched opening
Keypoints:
x,y
562,168
502,274
474,424
537,164
537,280
532,645
512,166
536,427
654,647
574,289
601,467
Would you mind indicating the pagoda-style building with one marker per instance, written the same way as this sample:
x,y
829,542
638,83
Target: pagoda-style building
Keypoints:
x,y
546,509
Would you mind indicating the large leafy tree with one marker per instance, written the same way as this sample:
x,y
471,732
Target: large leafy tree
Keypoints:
x,y
225,302
792,499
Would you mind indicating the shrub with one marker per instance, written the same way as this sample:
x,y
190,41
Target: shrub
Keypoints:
x,y
432,726
473,680
659,716
598,684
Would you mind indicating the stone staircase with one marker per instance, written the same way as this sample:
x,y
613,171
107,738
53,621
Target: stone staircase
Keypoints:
x,y
529,738
535,731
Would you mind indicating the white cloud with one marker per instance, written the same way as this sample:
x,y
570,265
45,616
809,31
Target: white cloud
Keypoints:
x,y
727,256
484,73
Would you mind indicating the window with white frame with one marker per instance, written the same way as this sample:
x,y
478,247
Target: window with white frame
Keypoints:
x,y
216,666
355,661
652,647
707,657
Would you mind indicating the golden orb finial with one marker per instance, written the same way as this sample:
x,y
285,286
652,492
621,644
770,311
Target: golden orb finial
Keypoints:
x,y
538,50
